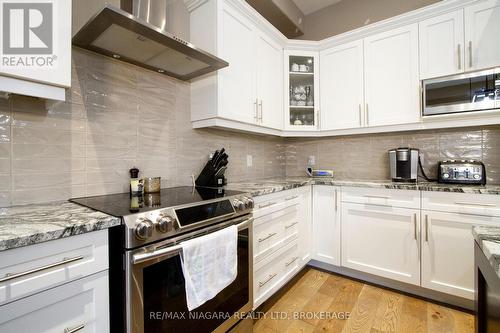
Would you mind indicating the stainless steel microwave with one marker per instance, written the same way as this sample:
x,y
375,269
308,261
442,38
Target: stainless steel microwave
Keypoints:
x,y
468,92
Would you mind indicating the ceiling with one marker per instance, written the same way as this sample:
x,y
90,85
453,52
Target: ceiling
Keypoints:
x,y
310,6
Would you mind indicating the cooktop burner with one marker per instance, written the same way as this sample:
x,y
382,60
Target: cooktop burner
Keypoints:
x,y
122,204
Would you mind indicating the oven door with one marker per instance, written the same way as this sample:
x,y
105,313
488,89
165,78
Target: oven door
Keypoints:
x,y
155,288
475,91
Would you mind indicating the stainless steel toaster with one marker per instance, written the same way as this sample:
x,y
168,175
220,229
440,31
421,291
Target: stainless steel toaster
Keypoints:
x,y
462,172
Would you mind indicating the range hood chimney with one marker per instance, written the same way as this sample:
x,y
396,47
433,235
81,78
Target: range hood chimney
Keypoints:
x,y
135,33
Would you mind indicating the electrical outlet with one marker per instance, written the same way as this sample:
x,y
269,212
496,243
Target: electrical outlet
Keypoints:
x,y
311,161
249,160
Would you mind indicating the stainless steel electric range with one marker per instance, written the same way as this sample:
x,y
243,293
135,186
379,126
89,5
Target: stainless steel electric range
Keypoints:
x,y
147,291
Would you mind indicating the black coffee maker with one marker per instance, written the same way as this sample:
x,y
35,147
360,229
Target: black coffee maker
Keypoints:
x,y
404,164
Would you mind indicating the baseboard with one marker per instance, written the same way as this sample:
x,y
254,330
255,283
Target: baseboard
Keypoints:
x,y
433,296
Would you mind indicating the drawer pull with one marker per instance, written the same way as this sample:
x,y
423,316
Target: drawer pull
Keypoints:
x,y
291,198
291,261
475,204
74,329
12,276
291,225
262,283
267,237
267,205
377,196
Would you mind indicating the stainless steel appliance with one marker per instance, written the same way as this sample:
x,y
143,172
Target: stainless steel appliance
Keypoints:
x,y
147,290
475,91
462,172
403,163
135,33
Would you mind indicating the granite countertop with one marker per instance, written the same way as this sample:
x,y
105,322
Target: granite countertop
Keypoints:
x,y
272,185
37,223
488,239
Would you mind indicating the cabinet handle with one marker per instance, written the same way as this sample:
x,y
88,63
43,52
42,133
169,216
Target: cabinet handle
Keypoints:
x,y
267,205
267,237
359,112
459,53
256,108
291,261
470,53
318,116
291,198
74,329
262,283
336,200
367,115
415,225
261,111
426,228
377,196
12,276
475,204
291,225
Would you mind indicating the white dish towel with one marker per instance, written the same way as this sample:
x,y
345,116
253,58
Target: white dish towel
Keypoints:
x,y
209,264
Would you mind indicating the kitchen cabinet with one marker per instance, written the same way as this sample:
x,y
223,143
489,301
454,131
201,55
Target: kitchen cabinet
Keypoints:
x,y
441,45
392,86
342,90
448,251
46,72
301,70
326,224
82,305
249,91
269,82
381,240
482,28
282,239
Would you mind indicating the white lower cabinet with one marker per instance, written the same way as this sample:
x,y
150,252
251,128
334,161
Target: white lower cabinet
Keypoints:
x,y
326,224
448,251
381,240
78,306
282,239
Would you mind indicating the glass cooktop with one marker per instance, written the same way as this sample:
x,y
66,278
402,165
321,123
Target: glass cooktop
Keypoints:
x,y
123,204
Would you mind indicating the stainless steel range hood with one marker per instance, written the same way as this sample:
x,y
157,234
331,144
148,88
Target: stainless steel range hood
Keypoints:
x,y
135,34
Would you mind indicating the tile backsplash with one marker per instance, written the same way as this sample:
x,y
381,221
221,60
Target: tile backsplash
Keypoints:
x,y
117,116
365,156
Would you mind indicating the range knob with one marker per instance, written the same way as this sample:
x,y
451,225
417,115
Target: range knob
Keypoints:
x,y
249,204
165,223
238,205
143,229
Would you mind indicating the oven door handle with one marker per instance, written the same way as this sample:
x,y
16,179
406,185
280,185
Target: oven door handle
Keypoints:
x,y
142,257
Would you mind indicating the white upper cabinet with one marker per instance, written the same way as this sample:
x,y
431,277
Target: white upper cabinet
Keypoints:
x,y
391,77
269,83
441,44
341,86
37,65
248,94
238,80
482,30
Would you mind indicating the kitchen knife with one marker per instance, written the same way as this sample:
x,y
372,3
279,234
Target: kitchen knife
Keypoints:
x,y
223,157
214,157
222,163
220,172
219,157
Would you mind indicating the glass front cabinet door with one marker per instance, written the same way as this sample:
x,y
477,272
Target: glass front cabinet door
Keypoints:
x,y
302,84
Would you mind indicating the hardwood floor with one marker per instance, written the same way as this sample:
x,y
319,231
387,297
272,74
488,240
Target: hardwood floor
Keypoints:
x,y
320,302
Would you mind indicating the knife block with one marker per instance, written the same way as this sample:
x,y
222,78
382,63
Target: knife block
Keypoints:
x,y
208,178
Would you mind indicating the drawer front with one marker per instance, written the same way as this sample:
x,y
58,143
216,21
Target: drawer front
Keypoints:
x,y
273,272
270,203
79,306
273,230
477,204
381,197
31,269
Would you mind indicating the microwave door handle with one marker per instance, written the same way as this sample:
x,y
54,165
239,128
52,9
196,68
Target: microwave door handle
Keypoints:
x,y
143,257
